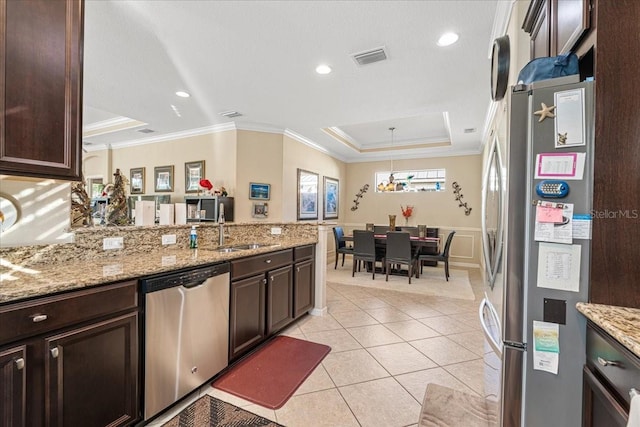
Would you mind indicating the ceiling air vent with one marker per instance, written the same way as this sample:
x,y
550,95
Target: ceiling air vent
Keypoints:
x,y
230,114
470,130
370,56
146,130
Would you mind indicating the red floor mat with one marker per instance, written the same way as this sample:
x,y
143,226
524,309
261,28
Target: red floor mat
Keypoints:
x,y
271,375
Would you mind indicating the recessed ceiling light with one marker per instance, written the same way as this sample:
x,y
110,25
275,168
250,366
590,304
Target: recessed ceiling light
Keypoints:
x,y
447,39
182,94
323,69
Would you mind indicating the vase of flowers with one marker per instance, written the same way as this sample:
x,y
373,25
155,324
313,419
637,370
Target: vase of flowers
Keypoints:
x,y
406,213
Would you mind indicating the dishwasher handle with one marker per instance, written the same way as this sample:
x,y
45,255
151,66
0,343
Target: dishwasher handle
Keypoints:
x,y
194,284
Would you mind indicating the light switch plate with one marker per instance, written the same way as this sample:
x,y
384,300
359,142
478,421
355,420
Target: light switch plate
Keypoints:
x,y
276,230
109,243
168,239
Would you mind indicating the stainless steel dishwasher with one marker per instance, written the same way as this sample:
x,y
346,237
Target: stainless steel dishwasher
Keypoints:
x,y
186,333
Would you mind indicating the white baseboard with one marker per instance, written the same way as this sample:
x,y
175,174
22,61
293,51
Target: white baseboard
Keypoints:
x,y
318,311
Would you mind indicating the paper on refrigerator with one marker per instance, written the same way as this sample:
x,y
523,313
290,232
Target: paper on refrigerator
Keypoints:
x,y
560,232
546,346
559,267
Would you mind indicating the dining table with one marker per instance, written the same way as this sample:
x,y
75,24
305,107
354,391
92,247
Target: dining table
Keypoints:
x,y
417,243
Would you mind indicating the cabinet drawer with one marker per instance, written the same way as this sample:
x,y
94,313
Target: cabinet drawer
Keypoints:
x,y
302,252
260,263
30,318
619,367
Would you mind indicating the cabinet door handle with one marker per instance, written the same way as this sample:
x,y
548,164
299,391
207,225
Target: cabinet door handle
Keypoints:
x,y
271,279
20,364
38,318
298,269
268,261
54,352
264,281
605,362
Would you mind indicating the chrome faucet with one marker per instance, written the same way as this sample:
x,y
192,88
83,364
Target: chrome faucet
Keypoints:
x,y
221,226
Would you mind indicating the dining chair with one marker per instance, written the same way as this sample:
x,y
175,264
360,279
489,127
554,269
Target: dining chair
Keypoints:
x,y
380,229
444,256
341,245
399,252
364,249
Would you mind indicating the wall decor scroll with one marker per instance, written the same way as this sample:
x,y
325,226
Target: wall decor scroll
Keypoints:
x,y
457,190
360,194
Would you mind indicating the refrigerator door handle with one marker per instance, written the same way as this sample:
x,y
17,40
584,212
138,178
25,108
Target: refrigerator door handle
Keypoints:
x,y
495,345
492,255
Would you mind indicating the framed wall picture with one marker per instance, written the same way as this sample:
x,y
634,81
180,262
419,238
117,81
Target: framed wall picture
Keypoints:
x,y
193,173
259,191
260,210
163,178
136,179
331,198
307,195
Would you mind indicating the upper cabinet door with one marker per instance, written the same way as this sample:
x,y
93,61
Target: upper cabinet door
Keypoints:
x,y
41,88
572,19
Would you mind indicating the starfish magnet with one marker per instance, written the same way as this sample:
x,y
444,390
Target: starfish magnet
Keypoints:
x,y
545,112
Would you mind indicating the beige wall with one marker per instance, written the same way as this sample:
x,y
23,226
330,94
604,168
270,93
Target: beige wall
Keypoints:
x,y
259,159
218,150
297,155
435,209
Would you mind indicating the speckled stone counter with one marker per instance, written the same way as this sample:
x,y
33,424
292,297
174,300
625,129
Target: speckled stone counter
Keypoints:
x,y
622,323
28,272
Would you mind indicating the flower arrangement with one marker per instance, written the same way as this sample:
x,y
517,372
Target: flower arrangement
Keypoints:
x,y
406,212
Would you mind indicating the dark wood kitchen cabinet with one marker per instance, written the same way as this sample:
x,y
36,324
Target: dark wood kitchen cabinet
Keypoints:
x,y
556,26
261,299
610,373
72,359
13,378
41,88
303,280
246,314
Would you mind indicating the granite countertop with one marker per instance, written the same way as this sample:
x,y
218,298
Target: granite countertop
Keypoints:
x,y
622,323
19,283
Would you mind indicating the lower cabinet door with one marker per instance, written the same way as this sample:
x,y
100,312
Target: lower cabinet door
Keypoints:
x,y
303,288
279,299
246,314
98,366
13,379
600,407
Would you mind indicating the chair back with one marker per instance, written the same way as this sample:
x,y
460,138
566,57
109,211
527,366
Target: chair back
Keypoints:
x,y
364,244
380,229
338,234
398,246
413,231
447,245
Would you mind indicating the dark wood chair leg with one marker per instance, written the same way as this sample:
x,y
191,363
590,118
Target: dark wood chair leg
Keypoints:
x,y
446,269
337,256
386,267
342,259
353,268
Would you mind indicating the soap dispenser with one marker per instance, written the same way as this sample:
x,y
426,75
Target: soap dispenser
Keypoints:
x,y
193,238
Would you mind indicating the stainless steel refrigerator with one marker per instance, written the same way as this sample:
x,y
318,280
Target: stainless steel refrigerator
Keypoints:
x,y
525,280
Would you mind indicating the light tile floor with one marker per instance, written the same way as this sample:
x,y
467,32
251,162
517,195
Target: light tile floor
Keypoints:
x,y
387,346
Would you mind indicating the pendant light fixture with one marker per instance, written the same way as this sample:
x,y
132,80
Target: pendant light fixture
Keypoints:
x,y
391,178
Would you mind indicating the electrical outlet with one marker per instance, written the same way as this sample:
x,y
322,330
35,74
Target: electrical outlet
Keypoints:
x,y
276,230
168,239
109,243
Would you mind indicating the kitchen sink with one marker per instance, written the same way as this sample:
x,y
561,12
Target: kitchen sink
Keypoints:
x,y
226,250
249,246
